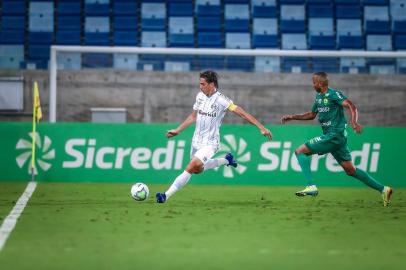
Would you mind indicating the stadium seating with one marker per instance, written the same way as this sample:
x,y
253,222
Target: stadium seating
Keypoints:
x,y
97,60
11,56
236,18
208,8
292,19
181,32
97,31
238,41
398,16
321,33
41,17
153,16
210,40
13,22
294,64
267,64
69,8
348,10
349,34
381,65
153,39
376,25
294,42
327,64
376,20
352,65
265,33
177,66
40,33
97,7
181,8
69,61
316,10
401,66
125,8
68,23
264,9
125,61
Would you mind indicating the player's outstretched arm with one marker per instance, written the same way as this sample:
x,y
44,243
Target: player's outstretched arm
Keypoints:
x,y
251,119
188,121
354,115
303,116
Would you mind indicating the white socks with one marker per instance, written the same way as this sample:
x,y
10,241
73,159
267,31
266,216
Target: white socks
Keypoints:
x,y
214,163
179,182
184,177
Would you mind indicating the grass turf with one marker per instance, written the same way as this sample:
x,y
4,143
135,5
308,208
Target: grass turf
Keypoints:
x,y
98,226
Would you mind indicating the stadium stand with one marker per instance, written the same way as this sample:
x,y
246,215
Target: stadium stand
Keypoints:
x,y
29,27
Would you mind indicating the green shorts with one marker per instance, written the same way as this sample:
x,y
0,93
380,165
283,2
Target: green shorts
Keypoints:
x,y
336,144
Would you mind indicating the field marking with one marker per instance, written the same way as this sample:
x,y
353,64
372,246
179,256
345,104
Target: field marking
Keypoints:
x,y
11,220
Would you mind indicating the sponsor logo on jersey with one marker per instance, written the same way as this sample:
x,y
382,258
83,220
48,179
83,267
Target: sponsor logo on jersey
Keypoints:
x,y
326,124
209,114
323,109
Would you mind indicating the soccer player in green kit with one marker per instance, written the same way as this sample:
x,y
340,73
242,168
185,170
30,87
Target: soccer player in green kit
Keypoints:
x,y
329,104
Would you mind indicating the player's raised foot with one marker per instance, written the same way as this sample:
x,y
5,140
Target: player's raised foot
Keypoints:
x,y
308,191
231,161
160,197
386,195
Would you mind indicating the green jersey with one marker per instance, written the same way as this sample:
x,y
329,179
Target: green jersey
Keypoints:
x,y
330,110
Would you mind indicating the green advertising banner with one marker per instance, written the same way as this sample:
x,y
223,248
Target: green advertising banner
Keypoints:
x,y
74,152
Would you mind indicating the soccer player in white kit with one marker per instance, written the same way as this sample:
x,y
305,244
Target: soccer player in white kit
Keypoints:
x,y
208,112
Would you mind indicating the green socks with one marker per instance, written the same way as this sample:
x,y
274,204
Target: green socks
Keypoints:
x,y
368,180
304,162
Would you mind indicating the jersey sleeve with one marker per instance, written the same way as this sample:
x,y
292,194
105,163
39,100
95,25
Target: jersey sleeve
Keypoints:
x,y
225,102
314,107
338,97
196,105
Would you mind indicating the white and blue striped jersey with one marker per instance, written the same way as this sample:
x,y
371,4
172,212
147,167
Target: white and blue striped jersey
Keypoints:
x,y
210,114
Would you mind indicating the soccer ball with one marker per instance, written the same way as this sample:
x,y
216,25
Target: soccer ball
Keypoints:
x,y
139,191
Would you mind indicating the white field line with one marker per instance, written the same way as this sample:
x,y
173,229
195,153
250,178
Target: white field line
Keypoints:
x,y
11,220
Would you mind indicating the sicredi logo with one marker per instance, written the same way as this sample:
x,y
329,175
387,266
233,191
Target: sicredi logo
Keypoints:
x,y
280,156
88,153
44,153
238,149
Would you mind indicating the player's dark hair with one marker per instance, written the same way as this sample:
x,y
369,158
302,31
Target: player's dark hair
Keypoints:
x,y
210,76
322,77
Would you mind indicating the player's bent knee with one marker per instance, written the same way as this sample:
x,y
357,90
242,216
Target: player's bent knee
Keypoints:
x,y
302,150
350,171
199,169
195,169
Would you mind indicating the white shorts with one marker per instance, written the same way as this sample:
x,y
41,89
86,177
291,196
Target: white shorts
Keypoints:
x,y
203,153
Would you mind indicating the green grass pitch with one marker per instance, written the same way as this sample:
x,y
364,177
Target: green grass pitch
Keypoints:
x,y
99,226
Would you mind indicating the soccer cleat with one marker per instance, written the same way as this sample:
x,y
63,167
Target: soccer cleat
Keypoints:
x,y
231,161
160,197
308,191
386,195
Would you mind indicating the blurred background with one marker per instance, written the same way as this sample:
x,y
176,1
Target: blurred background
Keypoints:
x,y
161,87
